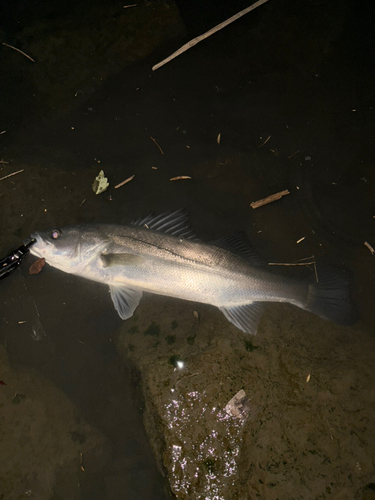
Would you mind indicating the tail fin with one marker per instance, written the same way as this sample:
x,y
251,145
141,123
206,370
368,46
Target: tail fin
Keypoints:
x,y
330,298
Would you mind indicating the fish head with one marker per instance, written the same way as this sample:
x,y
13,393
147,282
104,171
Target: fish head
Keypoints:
x,y
69,249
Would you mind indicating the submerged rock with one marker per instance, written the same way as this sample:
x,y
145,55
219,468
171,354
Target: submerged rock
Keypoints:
x,y
187,385
289,432
47,449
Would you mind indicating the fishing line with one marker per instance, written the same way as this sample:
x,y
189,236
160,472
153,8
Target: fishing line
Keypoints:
x,y
38,331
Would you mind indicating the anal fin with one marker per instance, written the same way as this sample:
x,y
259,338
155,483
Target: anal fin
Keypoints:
x,y
245,317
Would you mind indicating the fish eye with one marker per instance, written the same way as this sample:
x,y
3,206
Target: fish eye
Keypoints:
x,y
55,234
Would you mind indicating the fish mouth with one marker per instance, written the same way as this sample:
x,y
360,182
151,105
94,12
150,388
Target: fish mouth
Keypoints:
x,y
41,246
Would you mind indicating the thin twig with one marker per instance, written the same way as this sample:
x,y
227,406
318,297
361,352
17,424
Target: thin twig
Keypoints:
x,y
294,154
316,273
3,132
312,257
269,199
127,6
199,38
299,263
161,151
18,50
125,181
10,175
4,162
366,245
180,177
291,263
81,464
265,142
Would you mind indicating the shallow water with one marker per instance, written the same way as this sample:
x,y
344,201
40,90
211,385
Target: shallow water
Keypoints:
x,y
251,81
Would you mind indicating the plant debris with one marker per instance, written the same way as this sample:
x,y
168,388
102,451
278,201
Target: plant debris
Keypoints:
x,y
239,405
37,266
10,175
18,50
269,199
125,181
213,30
161,151
369,247
100,183
308,261
180,177
265,142
294,154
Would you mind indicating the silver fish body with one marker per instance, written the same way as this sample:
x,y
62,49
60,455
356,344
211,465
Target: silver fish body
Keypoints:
x,y
161,255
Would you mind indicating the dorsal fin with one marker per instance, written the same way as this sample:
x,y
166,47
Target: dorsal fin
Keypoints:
x,y
175,223
240,245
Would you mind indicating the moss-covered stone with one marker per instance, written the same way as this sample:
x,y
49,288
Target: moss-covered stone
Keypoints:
x,y
153,330
170,339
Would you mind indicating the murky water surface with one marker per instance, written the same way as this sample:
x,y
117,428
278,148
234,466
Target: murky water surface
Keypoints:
x,y
295,116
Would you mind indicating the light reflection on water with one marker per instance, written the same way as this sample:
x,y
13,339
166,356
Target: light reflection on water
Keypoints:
x,y
205,447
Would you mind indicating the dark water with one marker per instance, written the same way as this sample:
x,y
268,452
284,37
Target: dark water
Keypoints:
x,y
311,88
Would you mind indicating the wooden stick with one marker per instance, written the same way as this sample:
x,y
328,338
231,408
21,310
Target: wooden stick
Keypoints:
x,y
291,263
269,199
161,151
125,181
18,50
180,177
299,263
294,154
312,257
10,175
366,245
316,273
265,142
199,38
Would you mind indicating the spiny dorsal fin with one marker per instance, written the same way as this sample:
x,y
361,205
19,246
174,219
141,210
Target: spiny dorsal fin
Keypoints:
x,y
240,245
174,223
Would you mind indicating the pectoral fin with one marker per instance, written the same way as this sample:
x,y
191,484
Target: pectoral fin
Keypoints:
x,y
120,259
125,300
245,317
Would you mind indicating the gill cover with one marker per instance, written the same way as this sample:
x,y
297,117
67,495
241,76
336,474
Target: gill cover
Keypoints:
x,y
71,248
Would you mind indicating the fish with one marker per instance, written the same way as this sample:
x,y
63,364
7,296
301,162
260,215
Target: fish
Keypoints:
x,y
162,255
